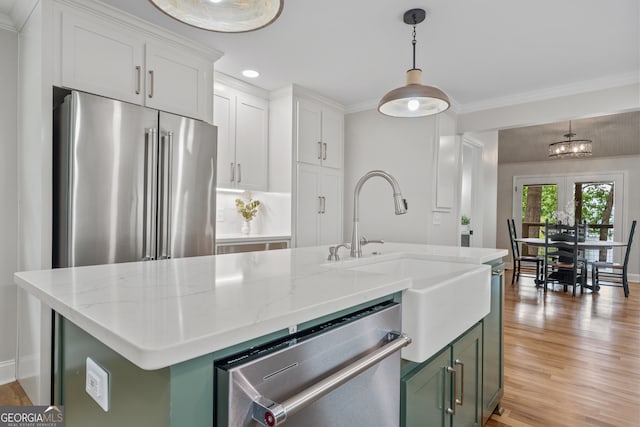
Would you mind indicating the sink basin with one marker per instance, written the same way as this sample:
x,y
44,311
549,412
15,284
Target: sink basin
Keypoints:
x,y
444,300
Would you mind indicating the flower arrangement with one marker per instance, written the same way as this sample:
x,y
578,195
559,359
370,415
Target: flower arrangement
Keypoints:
x,y
248,209
566,216
465,220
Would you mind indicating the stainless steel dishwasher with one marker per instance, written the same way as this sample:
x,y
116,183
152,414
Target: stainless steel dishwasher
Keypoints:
x,y
345,372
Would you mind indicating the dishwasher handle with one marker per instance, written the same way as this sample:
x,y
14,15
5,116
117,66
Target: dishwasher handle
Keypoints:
x,y
268,413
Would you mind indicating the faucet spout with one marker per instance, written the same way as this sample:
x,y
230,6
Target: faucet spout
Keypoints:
x,y
400,206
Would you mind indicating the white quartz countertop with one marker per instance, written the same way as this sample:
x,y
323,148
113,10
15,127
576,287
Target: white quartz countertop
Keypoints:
x,y
161,313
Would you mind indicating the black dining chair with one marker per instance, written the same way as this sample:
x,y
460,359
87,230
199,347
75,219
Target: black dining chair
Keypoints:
x,y
563,263
611,273
523,265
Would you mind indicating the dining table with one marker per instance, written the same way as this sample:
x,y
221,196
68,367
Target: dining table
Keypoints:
x,y
587,244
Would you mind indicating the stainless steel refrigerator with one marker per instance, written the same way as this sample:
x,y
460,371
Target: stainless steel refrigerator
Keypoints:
x,y
130,183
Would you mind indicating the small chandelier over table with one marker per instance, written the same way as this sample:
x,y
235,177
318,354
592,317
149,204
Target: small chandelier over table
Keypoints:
x,y
570,148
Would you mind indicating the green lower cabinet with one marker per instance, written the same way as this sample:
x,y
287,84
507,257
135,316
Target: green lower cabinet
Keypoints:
x,y
446,389
493,374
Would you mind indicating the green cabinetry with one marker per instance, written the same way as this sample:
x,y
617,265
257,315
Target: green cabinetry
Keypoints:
x,y
493,374
446,390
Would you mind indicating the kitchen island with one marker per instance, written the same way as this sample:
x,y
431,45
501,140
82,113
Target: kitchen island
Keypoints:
x,y
158,326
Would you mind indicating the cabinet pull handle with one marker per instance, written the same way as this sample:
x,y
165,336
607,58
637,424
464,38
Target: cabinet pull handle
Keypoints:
x,y
233,172
138,80
461,401
239,174
324,204
454,374
150,83
324,155
319,204
319,150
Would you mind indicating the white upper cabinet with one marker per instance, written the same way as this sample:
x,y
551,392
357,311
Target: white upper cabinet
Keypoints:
x,y
107,56
320,134
243,132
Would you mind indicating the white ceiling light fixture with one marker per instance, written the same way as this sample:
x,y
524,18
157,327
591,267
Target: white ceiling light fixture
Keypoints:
x,y
251,74
570,147
414,99
225,16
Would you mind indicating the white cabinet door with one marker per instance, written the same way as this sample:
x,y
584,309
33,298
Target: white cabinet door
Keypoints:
x,y
225,119
252,136
177,82
331,216
308,206
100,58
332,137
309,132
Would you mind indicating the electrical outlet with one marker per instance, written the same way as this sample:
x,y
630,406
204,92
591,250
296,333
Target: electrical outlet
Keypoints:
x,y
97,384
220,215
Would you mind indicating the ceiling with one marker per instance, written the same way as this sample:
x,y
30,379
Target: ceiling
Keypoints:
x,y
612,135
476,51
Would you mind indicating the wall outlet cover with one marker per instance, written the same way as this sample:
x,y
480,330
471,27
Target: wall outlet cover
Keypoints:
x,y
97,384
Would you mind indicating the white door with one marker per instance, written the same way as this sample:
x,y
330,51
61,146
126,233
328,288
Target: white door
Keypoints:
x,y
252,132
224,119
309,206
309,132
101,59
471,197
177,82
331,216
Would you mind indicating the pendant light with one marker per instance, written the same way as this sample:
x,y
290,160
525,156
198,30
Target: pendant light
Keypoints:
x,y
226,16
570,147
414,99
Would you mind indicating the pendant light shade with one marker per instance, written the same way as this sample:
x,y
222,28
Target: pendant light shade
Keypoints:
x,y
414,99
570,148
226,16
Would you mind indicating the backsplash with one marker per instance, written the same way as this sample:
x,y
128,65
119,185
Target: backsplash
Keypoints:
x,y
274,213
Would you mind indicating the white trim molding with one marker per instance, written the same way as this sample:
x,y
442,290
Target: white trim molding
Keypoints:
x,y
6,23
7,371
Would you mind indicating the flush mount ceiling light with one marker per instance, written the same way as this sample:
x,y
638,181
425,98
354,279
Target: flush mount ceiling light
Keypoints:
x,y
414,99
570,147
226,16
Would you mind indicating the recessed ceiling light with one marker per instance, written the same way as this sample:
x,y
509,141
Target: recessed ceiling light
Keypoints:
x,y
252,74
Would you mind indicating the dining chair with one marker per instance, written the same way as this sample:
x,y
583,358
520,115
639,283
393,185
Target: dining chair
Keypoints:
x,y
523,264
563,263
613,274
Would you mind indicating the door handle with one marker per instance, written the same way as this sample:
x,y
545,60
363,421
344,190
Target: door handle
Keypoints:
x,y
319,204
454,374
269,413
150,196
150,83
324,154
239,173
167,196
324,205
138,80
319,150
461,400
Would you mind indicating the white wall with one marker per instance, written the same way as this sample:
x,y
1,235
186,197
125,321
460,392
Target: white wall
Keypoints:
x,y
273,218
9,197
488,196
405,149
631,203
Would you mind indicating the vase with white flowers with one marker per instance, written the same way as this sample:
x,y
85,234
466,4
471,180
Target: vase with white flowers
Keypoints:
x,y
248,210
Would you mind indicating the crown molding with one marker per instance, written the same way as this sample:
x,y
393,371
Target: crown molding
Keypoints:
x,y
602,83
6,23
232,82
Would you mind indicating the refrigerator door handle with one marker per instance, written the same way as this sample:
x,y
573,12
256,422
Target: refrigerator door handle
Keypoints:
x,y
164,250
150,196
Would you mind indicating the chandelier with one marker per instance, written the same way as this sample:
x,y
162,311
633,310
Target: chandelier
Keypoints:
x,y
570,147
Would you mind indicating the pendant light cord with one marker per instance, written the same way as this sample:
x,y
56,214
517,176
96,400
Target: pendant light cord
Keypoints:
x,y
413,43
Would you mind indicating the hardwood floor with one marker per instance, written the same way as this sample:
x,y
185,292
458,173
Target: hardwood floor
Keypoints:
x,y
570,361
12,395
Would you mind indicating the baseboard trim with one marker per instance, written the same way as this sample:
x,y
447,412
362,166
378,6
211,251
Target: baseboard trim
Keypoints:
x,y
633,277
7,371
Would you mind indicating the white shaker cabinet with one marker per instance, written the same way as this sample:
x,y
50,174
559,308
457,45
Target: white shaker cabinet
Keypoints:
x,y
319,206
105,56
320,134
243,132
